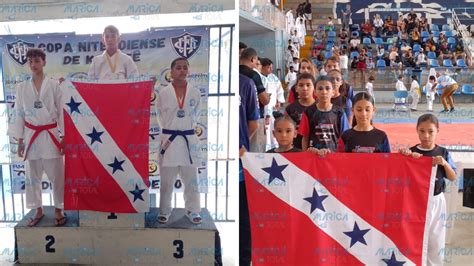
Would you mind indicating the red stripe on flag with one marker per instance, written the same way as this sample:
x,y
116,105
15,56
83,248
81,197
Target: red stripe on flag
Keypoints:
x,y
389,191
88,185
283,235
125,116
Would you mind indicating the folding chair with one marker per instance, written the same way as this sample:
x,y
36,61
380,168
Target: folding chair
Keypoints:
x,y
401,99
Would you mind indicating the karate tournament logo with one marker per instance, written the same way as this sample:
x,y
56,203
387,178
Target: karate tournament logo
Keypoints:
x,y
186,44
17,50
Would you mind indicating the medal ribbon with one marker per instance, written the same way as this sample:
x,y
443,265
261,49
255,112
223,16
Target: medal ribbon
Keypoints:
x,y
180,101
114,66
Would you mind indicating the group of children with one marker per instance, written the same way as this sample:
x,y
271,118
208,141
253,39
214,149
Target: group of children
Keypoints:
x,y
321,127
38,127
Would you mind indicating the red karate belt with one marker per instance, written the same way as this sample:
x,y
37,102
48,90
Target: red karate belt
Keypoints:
x,y
38,130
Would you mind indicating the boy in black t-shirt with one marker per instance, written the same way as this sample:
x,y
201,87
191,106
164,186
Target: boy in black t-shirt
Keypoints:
x,y
322,124
305,89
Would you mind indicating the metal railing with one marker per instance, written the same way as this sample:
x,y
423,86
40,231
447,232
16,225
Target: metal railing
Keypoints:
x,y
265,11
465,36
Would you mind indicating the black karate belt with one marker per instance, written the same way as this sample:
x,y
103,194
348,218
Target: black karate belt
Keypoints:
x,y
174,134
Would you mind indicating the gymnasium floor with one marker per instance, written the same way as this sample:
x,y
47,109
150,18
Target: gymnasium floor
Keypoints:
x,y
456,129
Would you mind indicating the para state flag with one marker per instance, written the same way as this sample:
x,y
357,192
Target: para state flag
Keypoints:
x,y
106,146
344,209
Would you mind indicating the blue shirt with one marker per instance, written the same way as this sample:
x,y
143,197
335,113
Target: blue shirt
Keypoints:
x,y
248,111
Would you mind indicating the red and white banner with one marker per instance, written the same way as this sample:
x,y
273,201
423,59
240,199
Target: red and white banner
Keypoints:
x,y
344,209
106,150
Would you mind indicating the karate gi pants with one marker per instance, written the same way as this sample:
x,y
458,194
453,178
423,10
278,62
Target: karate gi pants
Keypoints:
x,y
189,176
54,169
437,231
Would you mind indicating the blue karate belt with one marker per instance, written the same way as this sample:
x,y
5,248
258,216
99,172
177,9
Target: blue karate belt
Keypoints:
x,y
174,134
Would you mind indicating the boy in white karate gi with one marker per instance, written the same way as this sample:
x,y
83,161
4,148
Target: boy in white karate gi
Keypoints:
x,y
177,106
37,123
112,64
430,92
414,93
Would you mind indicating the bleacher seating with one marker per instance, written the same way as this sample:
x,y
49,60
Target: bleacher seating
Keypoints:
x,y
467,89
447,63
381,63
434,58
434,63
431,55
461,63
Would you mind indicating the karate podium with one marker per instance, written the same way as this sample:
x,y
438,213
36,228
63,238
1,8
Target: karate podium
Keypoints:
x,y
125,239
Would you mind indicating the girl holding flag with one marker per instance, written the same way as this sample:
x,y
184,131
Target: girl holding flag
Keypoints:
x,y
427,129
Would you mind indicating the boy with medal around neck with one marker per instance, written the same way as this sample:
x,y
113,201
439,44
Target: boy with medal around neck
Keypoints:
x,y
37,123
112,64
177,108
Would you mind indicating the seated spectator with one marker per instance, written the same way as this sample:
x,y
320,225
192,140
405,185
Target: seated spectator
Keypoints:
x,y
459,50
423,26
403,37
370,64
329,24
400,24
366,29
378,24
343,36
353,49
315,52
409,59
396,63
421,58
393,53
429,44
387,60
354,43
442,38
444,46
411,22
343,61
415,36
319,34
405,47
389,26
380,51
319,61
445,53
354,63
